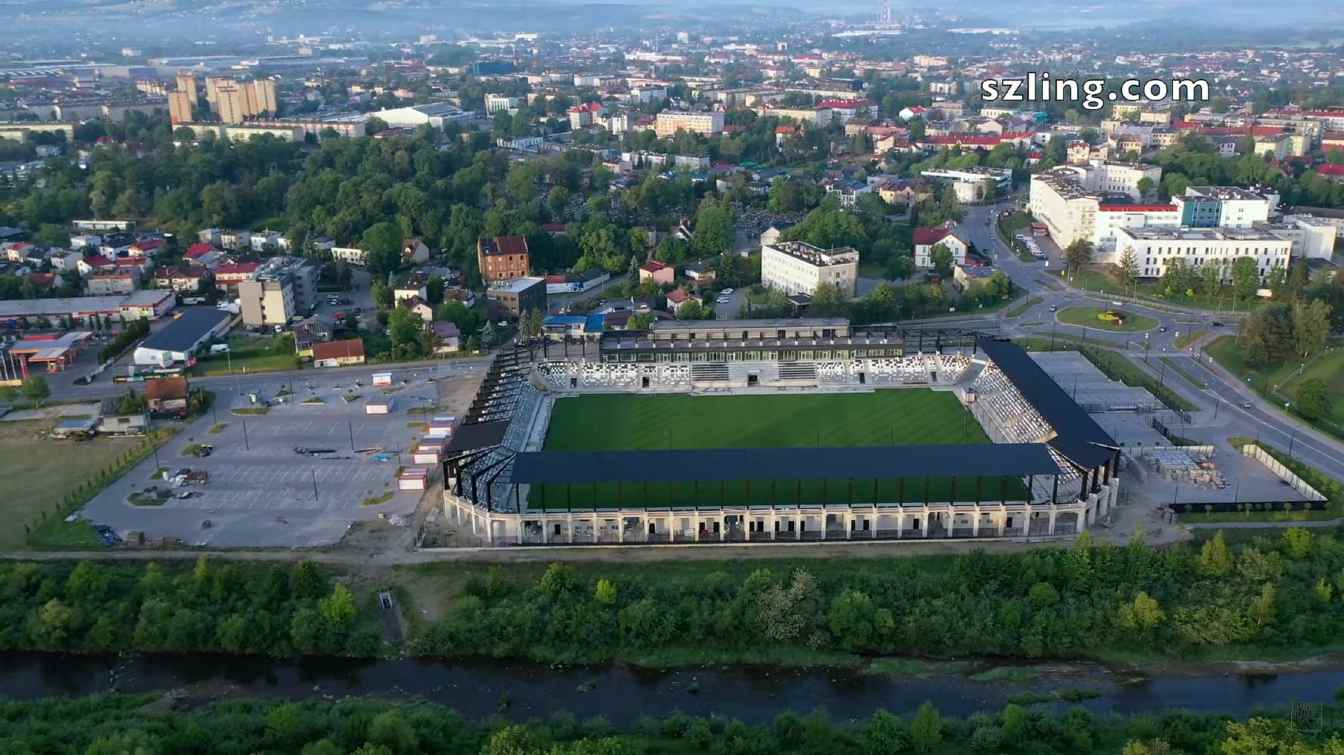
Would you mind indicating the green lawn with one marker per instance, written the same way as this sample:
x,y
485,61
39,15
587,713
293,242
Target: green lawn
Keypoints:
x,y
1104,282
1174,365
881,418
1090,317
250,354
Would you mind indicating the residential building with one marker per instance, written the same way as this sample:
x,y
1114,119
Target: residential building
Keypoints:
x,y
447,338
518,294
925,239
671,121
502,258
414,251
657,272
971,277
168,395
282,288
798,267
414,285
179,108
231,274
338,353
179,279
111,282
499,103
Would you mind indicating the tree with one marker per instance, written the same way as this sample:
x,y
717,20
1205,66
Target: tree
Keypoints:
x,y
1145,186
1214,558
605,593
1078,253
382,243
35,389
884,734
1129,267
926,730
828,301
942,259
1143,614
1313,398
1245,277
1311,326
405,327
639,321
1266,336
853,620
715,229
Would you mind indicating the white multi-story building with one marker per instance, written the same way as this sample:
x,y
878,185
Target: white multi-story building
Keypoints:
x,y
1068,198
670,122
1224,207
970,184
1113,177
796,267
497,103
1111,217
350,255
1153,249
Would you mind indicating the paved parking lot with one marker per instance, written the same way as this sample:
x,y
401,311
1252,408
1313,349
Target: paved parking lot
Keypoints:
x,y
261,493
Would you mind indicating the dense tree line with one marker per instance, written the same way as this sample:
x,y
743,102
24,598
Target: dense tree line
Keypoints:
x,y
212,606
131,725
1283,593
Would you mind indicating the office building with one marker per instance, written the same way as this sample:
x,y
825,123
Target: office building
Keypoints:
x,y
1153,249
797,267
1224,207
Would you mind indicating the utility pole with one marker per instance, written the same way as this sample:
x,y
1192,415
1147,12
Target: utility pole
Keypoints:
x,y
246,447
351,426
314,485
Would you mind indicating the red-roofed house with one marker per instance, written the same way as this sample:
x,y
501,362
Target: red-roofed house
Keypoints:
x,y
94,263
927,238
198,250
338,353
680,297
109,282
657,272
231,274
846,110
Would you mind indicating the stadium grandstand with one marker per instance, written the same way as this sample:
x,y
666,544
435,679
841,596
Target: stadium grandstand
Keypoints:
x,y
758,431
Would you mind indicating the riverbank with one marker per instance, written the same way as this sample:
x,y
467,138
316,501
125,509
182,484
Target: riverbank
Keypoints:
x,y
1271,600
185,719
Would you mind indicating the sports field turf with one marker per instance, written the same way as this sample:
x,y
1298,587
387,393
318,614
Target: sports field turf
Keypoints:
x,y
650,422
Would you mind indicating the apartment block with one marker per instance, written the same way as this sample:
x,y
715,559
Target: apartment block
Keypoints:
x,y
796,267
670,122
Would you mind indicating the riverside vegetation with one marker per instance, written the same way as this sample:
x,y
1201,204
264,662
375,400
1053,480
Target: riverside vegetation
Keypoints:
x,y
1277,597
117,724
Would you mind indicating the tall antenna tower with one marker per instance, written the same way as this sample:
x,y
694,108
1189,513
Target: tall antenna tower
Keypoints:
x,y
885,17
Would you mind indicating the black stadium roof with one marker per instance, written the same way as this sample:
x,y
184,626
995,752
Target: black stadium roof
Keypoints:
x,y
802,463
1078,437
186,332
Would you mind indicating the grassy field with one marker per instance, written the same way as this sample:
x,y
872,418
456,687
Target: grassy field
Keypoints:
x,y
1020,309
40,473
1174,365
250,354
1090,317
1100,280
882,418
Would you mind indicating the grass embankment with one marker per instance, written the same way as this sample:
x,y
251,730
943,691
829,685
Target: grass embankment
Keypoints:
x,y
1021,309
1279,384
1114,365
881,418
46,479
1174,365
1095,317
1332,489
1184,340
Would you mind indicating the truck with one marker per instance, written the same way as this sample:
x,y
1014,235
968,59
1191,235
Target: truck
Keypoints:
x,y
382,380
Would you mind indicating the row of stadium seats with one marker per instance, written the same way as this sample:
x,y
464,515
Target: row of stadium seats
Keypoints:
x,y
1003,411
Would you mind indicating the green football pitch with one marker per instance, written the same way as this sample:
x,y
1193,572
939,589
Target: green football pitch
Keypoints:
x,y
624,422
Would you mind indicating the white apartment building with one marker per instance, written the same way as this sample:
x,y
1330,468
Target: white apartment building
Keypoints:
x,y
1155,248
670,122
1313,238
1067,199
1112,177
970,184
496,103
1110,218
798,267
1224,207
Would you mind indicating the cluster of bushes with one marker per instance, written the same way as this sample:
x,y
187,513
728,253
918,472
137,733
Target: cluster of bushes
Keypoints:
x,y
115,724
1081,601
133,332
212,606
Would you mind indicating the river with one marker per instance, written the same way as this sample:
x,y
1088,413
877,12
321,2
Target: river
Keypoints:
x,y
621,694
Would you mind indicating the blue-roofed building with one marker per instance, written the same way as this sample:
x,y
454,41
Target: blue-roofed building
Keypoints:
x,y
574,326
